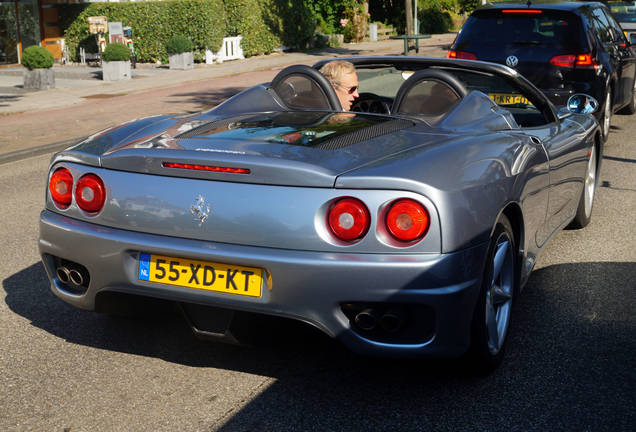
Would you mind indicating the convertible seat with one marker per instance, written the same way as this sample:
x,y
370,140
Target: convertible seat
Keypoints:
x,y
304,88
430,93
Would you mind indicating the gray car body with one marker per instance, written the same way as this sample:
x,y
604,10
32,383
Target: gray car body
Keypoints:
x,y
467,170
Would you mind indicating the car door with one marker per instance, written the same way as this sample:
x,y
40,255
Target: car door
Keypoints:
x,y
618,63
563,142
626,60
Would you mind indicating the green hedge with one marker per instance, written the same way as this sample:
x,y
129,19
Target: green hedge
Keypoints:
x,y
293,21
264,24
153,24
248,19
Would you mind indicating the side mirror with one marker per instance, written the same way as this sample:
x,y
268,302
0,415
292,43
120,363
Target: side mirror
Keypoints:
x,y
580,103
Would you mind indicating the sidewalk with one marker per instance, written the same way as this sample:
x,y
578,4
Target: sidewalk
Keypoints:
x,y
82,104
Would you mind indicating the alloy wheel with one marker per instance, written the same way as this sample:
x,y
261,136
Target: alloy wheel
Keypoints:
x,y
590,182
499,294
607,115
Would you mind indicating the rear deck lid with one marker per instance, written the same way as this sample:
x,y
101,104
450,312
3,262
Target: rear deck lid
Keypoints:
x,y
286,148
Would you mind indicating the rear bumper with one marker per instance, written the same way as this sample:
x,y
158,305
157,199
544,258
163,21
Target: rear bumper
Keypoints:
x,y
306,286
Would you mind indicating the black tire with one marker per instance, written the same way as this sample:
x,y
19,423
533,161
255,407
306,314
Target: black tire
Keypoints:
x,y
586,201
606,116
493,312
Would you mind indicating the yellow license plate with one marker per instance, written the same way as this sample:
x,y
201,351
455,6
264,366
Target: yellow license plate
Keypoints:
x,y
203,275
509,99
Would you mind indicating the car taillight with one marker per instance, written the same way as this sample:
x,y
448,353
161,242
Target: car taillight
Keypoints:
x,y
90,193
454,54
574,60
61,187
348,219
407,220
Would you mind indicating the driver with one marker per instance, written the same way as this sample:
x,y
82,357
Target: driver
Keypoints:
x,y
342,76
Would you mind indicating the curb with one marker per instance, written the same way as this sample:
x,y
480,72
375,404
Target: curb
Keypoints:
x,y
37,151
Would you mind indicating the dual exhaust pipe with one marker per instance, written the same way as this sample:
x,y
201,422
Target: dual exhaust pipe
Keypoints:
x,y
70,275
390,321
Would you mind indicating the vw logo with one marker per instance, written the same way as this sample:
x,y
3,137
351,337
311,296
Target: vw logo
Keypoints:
x,y
200,209
512,61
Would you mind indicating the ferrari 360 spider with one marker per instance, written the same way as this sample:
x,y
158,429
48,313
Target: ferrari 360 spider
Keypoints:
x,y
404,227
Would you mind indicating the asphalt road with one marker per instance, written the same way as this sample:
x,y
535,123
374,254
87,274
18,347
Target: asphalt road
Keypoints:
x,y
570,363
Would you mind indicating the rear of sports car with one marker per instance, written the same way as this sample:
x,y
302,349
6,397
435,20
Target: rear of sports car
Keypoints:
x,y
263,214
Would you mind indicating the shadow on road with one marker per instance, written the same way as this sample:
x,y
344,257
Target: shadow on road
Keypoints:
x,y
5,100
570,362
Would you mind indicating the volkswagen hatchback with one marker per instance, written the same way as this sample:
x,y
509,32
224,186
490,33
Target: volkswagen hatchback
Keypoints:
x,y
563,48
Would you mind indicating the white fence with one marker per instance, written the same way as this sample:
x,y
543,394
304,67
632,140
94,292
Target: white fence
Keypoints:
x,y
230,50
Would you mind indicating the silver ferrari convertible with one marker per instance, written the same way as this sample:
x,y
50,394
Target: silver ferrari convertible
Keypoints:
x,y
404,227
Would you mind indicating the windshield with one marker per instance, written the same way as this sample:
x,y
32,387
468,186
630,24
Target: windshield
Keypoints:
x,y
623,11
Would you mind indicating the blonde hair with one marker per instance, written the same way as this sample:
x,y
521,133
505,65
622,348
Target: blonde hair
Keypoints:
x,y
335,70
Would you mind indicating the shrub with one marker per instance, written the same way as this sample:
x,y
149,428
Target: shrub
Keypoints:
x,y
37,57
355,24
246,18
434,21
178,45
291,20
116,51
153,24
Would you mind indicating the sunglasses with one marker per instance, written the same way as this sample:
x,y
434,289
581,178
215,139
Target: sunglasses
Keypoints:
x,y
350,90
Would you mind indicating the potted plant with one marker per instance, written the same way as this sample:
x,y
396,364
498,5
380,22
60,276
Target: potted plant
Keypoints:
x,y
179,49
116,62
39,74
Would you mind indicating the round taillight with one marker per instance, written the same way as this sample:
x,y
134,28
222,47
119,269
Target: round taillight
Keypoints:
x,y
61,187
90,193
348,219
407,220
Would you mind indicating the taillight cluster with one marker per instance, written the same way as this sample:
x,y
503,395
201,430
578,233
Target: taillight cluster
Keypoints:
x,y
405,220
89,193
584,61
455,54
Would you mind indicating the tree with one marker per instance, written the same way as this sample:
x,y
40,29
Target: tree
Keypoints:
x,y
408,9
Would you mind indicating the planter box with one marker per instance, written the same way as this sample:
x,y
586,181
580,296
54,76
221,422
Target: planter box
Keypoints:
x,y
116,70
181,61
39,79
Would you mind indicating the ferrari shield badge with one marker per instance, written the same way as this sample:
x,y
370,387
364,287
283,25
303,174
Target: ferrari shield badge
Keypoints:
x,y
200,209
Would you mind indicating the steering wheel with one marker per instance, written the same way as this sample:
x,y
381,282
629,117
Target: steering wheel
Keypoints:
x,y
372,103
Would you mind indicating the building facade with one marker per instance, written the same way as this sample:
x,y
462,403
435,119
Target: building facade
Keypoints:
x,y
30,22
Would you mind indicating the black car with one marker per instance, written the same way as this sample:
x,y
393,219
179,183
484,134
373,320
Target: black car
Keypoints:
x,y
562,47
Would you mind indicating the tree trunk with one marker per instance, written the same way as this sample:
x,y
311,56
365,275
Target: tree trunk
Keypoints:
x,y
408,9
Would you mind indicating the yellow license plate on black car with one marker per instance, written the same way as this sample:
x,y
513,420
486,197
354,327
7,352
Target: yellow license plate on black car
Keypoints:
x,y
203,275
509,99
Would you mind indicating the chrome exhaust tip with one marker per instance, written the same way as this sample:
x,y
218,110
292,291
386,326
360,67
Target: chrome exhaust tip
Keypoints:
x,y
76,277
63,274
366,320
392,320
